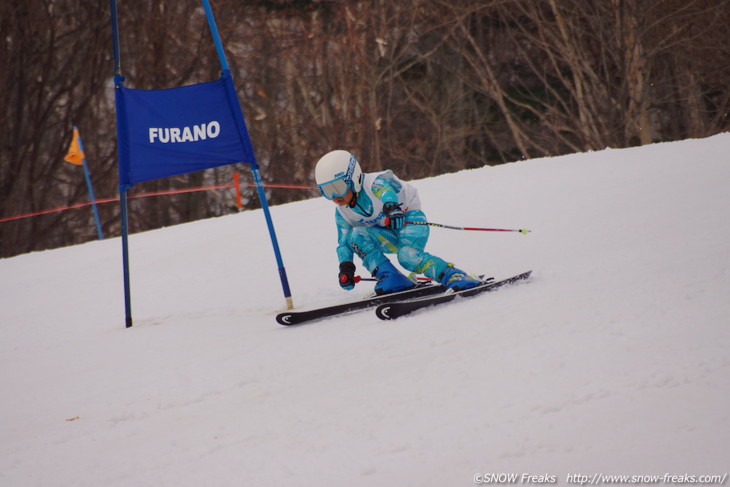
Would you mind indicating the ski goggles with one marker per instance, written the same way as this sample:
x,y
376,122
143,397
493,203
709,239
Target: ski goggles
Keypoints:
x,y
336,188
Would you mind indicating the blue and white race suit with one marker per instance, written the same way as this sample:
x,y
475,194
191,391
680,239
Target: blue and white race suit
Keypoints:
x,y
361,229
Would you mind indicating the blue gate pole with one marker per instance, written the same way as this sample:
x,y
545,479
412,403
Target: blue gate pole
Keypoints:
x,y
215,34
272,234
91,189
125,257
254,165
118,79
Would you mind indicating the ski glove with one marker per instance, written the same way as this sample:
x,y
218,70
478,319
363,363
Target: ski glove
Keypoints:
x,y
347,275
396,218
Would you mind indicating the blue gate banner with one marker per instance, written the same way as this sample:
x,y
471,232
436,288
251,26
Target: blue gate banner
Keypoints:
x,y
164,133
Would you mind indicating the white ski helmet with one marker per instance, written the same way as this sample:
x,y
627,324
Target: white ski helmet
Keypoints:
x,y
336,173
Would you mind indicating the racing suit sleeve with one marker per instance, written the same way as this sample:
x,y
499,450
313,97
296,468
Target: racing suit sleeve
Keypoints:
x,y
344,229
384,189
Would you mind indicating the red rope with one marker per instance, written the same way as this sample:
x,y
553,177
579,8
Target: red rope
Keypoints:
x,y
146,195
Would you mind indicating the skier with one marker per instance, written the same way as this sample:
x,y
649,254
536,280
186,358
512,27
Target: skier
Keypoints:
x,y
372,214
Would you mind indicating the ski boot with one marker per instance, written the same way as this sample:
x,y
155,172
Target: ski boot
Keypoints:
x,y
456,279
390,280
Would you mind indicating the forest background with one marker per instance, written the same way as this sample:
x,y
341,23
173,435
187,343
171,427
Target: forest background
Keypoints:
x,y
422,87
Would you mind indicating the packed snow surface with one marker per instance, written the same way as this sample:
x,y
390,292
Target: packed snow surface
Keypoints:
x,y
612,360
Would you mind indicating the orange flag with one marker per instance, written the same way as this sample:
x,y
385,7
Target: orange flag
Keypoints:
x,y
75,155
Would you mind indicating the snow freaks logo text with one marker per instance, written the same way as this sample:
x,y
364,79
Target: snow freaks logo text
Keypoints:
x,y
171,135
600,479
514,478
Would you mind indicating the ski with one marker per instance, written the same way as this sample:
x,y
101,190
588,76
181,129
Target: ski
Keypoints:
x,y
391,311
296,317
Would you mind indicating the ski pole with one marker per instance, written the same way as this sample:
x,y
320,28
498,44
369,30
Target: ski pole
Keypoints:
x,y
359,278
523,231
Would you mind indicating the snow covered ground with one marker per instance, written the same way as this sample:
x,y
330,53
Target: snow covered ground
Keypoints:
x,y
613,359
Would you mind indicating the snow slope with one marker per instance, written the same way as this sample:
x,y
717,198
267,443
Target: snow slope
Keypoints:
x,y
613,359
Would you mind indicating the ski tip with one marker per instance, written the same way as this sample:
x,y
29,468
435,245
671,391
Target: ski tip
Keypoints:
x,y
520,277
383,312
284,319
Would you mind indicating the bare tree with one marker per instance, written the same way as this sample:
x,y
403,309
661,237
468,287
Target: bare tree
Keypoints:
x,y
585,74
52,53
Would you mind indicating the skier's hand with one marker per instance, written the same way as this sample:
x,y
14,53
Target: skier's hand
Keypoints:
x,y
396,217
347,275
